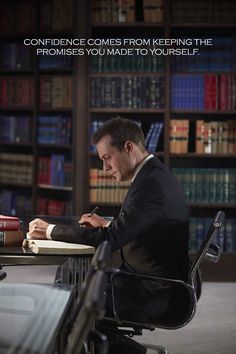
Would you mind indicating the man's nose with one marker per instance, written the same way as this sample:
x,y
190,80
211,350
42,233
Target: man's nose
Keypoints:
x,y
106,166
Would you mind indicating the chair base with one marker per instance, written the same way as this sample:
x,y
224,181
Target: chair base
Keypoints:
x,y
156,348
2,274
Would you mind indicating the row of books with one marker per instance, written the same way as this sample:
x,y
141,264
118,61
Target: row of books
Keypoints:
x,y
214,137
56,15
105,189
153,136
226,237
54,129
126,63
56,92
16,168
125,11
203,11
152,139
94,125
17,17
55,170
216,58
16,92
210,137
15,56
209,92
54,61
15,129
56,207
15,203
130,92
18,203
208,185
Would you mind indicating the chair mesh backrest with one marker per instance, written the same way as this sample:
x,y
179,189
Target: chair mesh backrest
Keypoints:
x,y
213,229
101,261
93,307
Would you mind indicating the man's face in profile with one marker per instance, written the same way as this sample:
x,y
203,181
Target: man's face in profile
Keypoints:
x,y
117,163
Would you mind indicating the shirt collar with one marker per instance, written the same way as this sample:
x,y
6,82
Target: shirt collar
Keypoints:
x,y
142,163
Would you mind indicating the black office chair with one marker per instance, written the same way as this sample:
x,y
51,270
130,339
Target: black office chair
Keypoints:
x,y
185,294
90,304
93,307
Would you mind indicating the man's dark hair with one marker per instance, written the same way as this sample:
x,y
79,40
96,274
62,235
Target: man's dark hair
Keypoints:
x,y
120,130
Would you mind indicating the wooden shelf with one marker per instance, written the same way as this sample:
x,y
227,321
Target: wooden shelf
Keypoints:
x,y
203,112
10,144
16,184
54,146
16,72
56,71
122,74
57,188
212,205
203,156
127,110
129,25
17,109
56,110
203,25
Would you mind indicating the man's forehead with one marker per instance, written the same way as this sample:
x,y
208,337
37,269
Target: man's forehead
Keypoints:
x,y
105,140
104,145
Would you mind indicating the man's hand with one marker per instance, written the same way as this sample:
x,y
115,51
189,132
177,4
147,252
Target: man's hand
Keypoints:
x,y
92,220
37,229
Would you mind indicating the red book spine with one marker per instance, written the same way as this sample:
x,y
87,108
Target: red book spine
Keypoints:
x,y
9,225
223,96
214,92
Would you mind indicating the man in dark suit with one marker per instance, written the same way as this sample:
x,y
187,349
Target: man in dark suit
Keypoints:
x,y
152,228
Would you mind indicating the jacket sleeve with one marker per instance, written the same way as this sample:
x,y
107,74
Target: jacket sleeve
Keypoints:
x,y
143,209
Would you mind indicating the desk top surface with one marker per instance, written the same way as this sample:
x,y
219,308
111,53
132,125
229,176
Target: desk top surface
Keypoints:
x,y
30,316
21,251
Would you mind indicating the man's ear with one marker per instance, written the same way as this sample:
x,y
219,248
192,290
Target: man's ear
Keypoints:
x,y
129,146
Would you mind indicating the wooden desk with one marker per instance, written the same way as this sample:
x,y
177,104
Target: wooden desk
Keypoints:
x,y
73,267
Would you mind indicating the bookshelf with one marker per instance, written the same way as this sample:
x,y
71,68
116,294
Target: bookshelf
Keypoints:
x,y
148,89
212,74
38,109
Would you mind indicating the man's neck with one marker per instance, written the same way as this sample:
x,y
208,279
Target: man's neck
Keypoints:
x,y
141,164
141,158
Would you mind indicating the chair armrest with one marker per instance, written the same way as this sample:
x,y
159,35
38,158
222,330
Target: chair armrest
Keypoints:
x,y
115,272
213,253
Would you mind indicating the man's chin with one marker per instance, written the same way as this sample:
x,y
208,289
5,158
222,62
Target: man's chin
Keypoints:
x,y
118,178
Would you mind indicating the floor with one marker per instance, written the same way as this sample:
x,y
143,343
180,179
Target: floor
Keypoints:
x,y
212,330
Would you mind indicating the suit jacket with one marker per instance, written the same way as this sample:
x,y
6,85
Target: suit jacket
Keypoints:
x,y
152,229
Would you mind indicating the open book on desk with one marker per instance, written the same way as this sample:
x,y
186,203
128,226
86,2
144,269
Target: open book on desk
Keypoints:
x,y
56,247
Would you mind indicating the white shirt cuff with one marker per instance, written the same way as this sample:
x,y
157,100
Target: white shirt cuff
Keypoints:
x,y
108,223
49,231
